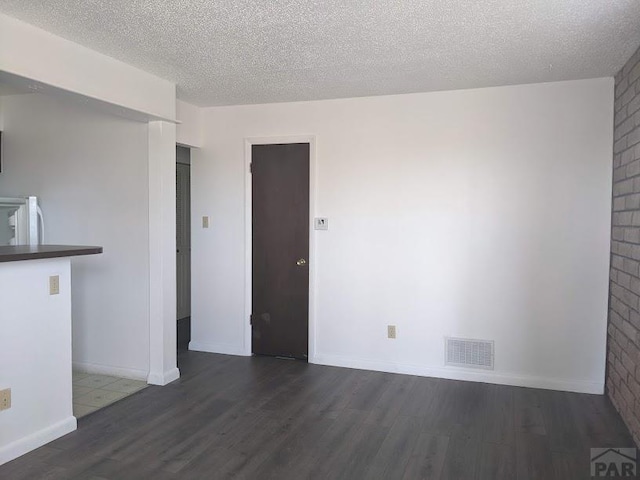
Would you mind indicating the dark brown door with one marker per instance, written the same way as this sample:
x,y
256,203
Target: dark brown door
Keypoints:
x,y
280,273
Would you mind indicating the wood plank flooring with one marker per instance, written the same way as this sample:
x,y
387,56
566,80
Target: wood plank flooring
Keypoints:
x,y
265,418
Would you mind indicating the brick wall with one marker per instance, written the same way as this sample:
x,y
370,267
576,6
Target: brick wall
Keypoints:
x,y
623,356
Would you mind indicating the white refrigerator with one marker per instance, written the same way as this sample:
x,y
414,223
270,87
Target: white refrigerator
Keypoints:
x,y
21,221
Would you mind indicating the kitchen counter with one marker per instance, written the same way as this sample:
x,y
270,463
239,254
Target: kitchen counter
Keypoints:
x,y
36,252
35,345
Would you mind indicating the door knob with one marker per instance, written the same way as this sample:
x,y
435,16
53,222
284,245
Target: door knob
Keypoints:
x,y
301,262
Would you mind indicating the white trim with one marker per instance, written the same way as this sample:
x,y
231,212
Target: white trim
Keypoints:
x,y
163,378
223,348
36,440
578,386
248,142
130,373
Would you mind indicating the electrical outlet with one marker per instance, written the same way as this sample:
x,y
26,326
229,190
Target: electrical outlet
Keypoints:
x,y
54,285
391,331
205,222
5,399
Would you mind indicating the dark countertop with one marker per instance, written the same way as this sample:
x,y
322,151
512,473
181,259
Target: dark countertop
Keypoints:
x,y
36,252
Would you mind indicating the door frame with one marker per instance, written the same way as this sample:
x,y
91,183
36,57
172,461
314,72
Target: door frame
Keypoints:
x,y
248,244
178,164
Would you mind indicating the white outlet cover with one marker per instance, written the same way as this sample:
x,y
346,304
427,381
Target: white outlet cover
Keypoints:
x,y
321,223
54,285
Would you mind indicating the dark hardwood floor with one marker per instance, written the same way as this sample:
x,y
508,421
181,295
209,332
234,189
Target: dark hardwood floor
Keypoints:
x,y
265,418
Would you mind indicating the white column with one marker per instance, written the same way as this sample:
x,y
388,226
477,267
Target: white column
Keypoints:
x,y
162,253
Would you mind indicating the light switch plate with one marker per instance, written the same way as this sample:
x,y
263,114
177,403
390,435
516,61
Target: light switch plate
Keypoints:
x,y
321,223
205,222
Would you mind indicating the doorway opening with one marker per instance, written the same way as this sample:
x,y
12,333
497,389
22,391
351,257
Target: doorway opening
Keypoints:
x,y
280,211
183,246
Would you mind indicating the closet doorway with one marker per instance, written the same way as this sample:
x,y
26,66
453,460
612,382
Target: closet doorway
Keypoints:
x,y
183,245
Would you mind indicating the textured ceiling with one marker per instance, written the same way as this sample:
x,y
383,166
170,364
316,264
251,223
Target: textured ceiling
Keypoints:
x,y
222,52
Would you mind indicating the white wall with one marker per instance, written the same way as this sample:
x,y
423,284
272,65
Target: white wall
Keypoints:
x,y
90,172
479,213
189,128
33,321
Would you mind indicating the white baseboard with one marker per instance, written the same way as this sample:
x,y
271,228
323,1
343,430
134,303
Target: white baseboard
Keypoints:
x,y
163,378
37,439
453,373
224,348
130,373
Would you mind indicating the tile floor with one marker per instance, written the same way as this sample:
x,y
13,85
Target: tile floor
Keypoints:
x,y
93,392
